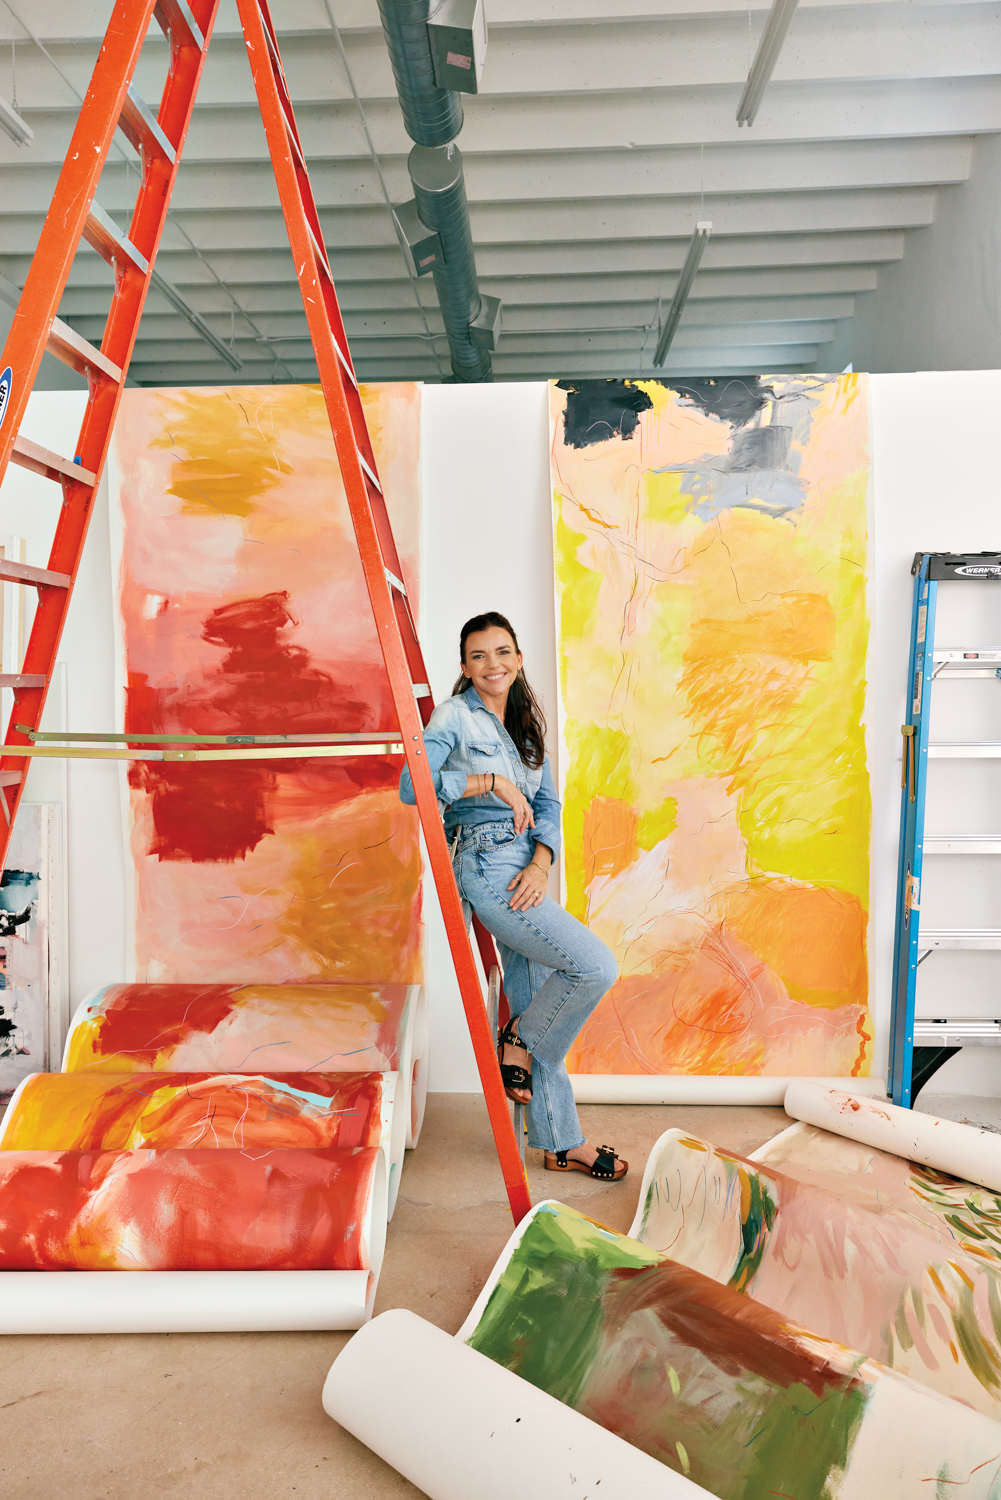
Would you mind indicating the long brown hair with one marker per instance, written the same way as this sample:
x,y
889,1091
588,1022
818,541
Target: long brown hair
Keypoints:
x,y
523,717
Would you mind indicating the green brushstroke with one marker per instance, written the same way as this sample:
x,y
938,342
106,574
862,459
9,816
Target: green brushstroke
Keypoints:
x,y
755,1225
665,1358
543,1319
982,1357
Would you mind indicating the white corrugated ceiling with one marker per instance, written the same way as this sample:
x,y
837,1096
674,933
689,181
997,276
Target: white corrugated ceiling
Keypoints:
x,y
604,130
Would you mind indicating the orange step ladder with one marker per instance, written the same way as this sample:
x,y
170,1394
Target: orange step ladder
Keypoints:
x,y
112,100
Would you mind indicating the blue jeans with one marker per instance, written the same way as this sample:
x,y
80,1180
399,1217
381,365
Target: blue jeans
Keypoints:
x,y
555,971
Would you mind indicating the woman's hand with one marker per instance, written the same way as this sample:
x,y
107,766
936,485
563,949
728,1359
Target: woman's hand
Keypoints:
x,y
529,887
519,805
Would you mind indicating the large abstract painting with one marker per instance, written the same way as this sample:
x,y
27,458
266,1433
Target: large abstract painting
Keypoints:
x,y
711,539
242,610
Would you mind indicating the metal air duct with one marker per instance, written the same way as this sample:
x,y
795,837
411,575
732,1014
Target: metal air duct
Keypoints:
x,y
436,173
433,116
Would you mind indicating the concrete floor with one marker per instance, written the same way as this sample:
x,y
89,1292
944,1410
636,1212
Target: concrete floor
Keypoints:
x,y
219,1416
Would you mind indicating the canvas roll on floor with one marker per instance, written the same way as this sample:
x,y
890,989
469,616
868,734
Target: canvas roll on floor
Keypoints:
x,y
697,1380
72,1224
964,1151
457,1424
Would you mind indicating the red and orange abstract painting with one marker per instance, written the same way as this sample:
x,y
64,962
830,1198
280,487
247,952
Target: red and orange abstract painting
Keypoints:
x,y
242,610
300,1210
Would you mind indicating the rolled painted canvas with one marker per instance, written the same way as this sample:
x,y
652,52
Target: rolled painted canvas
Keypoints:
x,y
876,1252
971,1153
711,542
203,1111
198,1210
251,1028
712,1384
241,609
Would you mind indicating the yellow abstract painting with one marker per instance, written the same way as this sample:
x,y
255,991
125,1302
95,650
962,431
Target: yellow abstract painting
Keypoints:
x,y
710,539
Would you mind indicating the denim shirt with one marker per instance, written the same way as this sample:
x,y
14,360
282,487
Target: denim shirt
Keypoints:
x,y
462,739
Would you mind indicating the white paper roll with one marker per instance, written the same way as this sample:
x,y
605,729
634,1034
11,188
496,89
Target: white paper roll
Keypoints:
x,y
963,1151
657,1088
457,1425
415,1056
183,1301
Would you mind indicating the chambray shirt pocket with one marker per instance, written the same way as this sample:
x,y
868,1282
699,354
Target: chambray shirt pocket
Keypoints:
x,y
487,755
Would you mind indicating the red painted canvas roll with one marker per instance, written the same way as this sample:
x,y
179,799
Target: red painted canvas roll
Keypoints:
x,y
306,1210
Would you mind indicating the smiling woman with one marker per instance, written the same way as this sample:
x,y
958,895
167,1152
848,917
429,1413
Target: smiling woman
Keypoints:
x,y
486,749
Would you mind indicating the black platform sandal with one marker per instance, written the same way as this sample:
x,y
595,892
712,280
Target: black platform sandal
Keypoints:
x,y
603,1166
512,1075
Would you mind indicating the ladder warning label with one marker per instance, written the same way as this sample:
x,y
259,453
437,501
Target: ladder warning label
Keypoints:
x,y
922,617
6,382
912,893
916,706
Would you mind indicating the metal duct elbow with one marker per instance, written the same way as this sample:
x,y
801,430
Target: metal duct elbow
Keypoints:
x,y
436,174
432,116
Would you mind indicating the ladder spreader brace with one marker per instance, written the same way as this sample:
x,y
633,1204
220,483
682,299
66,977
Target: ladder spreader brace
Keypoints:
x,y
73,215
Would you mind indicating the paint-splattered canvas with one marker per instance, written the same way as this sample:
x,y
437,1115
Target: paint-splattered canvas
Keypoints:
x,y
28,887
714,1385
242,609
894,1259
711,539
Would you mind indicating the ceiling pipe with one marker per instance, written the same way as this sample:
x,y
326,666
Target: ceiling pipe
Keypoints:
x,y
440,191
433,117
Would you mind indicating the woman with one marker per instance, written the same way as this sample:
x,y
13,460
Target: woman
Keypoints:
x,y
486,751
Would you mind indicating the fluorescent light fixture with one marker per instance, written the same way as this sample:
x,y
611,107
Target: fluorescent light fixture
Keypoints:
x,y
175,299
700,240
10,121
767,55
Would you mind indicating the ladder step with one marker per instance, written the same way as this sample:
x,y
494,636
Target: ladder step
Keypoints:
x,y
394,582
22,680
75,351
142,127
10,778
421,690
953,654
963,843
14,572
964,1031
176,15
959,937
103,235
50,465
370,477
965,750
955,673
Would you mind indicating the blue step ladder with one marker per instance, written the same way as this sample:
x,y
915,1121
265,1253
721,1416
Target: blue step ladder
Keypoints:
x,y
918,1048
